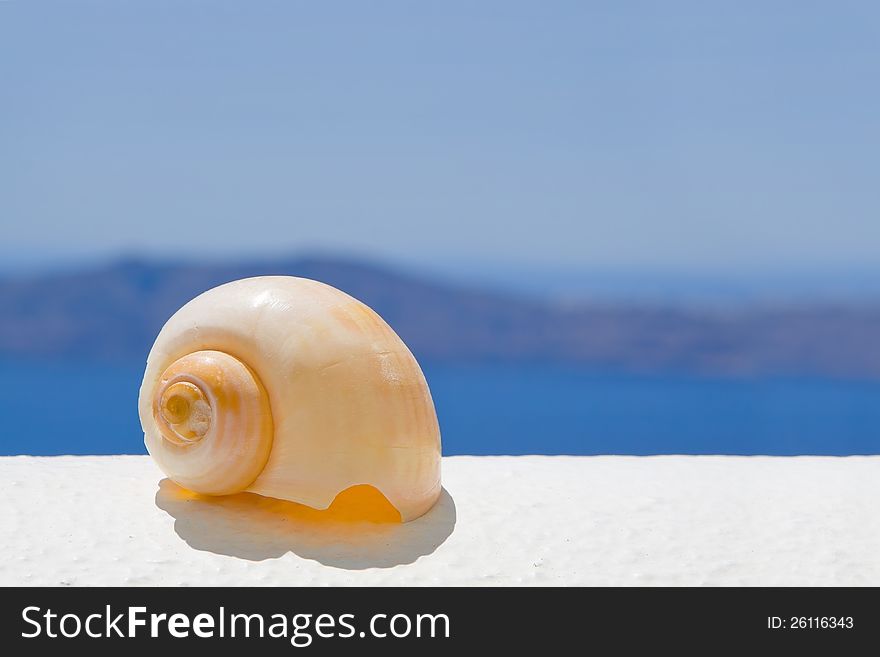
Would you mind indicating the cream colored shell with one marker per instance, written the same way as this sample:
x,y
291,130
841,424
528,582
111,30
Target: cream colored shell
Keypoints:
x,y
289,388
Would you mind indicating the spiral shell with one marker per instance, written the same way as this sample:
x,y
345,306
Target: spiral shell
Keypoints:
x,y
292,389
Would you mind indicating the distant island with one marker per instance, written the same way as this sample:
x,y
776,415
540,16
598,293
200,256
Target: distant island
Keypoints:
x,y
114,312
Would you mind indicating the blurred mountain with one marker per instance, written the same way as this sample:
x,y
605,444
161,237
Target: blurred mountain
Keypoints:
x,y
115,312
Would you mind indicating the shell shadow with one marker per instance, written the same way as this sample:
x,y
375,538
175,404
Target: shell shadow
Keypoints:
x,y
256,528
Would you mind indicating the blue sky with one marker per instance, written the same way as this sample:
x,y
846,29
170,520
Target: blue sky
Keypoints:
x,y
675,136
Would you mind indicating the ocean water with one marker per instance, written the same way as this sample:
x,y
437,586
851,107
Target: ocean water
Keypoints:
x,y
61,408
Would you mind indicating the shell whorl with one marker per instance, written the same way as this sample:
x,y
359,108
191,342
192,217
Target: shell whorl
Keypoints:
x,y
213,414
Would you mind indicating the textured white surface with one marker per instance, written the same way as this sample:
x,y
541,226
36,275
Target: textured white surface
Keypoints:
x,y
504,521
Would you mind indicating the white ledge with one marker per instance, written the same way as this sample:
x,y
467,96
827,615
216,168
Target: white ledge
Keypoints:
x,y
610,520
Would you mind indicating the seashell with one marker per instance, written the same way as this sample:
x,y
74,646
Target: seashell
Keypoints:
x,y
291,389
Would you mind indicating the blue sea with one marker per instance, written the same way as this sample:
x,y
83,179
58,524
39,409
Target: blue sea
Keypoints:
x,y
55,408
